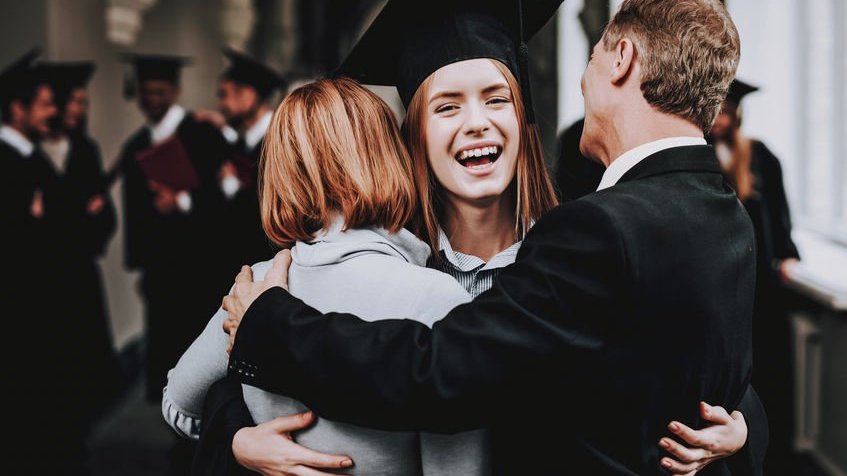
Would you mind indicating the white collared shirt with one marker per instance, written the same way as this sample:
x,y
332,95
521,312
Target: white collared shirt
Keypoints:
x,y
57,150
632,157
168,125
17,140
255,134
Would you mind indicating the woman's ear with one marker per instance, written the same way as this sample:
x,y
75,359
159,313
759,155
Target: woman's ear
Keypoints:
x,y
624,60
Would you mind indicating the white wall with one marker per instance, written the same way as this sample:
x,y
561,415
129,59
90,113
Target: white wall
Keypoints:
x,y
573,56
769,59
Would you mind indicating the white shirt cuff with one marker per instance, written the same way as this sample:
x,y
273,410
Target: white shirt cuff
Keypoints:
x,y
183,201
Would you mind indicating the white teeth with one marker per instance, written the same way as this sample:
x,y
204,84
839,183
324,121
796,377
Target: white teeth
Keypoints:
x,y
488,150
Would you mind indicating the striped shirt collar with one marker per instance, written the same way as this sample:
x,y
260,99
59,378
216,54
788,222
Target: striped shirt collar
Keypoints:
x,y
465,262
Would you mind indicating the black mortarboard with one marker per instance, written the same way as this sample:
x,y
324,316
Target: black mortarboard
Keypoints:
x,y
19,78
163,67
738,89
246,70
64,77
409,40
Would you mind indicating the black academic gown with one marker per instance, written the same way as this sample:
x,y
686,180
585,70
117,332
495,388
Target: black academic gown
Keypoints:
x,y
768,209
81,238
623,310
246,242
178,254
32,258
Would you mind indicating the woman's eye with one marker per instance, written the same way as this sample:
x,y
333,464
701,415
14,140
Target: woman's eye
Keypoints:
x,y
498,100
446,108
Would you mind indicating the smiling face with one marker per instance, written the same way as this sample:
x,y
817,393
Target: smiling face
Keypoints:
x,y
472,131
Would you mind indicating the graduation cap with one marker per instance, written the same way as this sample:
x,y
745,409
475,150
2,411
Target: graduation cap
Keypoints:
x,y
246,70
19,79
64,77
162,67
738,89
409,40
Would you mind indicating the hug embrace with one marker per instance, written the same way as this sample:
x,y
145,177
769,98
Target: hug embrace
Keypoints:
x,y
438,313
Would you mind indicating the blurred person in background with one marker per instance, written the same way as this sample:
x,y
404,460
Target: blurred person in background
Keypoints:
x,y
168,230
755,173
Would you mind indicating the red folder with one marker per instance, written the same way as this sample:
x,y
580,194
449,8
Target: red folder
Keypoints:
x,y
168,164
246,169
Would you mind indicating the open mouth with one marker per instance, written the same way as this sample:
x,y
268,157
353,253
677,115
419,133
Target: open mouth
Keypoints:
x,y
479,156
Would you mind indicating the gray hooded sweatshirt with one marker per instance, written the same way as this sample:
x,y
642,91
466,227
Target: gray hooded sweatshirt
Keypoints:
x,y
368,272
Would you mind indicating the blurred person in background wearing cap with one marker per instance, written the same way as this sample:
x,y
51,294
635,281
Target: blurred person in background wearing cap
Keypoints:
x,y
79,211
84,214
447,104
166,230
755,173
245,91
44,417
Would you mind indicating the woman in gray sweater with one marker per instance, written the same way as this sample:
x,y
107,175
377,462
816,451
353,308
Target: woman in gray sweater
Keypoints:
x,y
337,185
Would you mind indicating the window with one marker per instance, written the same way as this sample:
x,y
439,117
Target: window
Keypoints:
x,y
822,178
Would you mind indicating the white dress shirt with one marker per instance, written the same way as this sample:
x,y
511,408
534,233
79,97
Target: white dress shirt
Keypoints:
x,y
17,140
168,125
632,157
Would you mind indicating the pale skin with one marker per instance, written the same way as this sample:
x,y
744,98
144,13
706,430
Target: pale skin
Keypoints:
x,y
623,120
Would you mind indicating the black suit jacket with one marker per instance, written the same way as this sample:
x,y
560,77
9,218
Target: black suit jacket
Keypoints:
x,y
623,310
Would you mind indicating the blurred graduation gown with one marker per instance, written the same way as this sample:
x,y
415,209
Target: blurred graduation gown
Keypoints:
x,y
69,188
245,240
177,253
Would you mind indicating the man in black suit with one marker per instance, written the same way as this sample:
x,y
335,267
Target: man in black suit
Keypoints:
x,y
622,310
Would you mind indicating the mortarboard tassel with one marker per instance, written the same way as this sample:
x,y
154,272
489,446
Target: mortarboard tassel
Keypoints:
x,y
523,69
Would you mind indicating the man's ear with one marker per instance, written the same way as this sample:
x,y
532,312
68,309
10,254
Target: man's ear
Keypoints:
x,y
17,111
624,61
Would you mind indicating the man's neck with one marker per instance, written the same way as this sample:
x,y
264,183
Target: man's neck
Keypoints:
x,y
642,125
481,230
253,118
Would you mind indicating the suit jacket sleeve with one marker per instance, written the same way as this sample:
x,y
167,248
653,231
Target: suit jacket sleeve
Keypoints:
x,y
748,461
546,314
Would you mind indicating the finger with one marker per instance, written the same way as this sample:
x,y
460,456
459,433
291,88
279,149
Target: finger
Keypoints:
x,y
228,304
290,423
682,453
692,437
230,325
676,468
231,343
313,459
245,275
714,414
738,416
277,275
